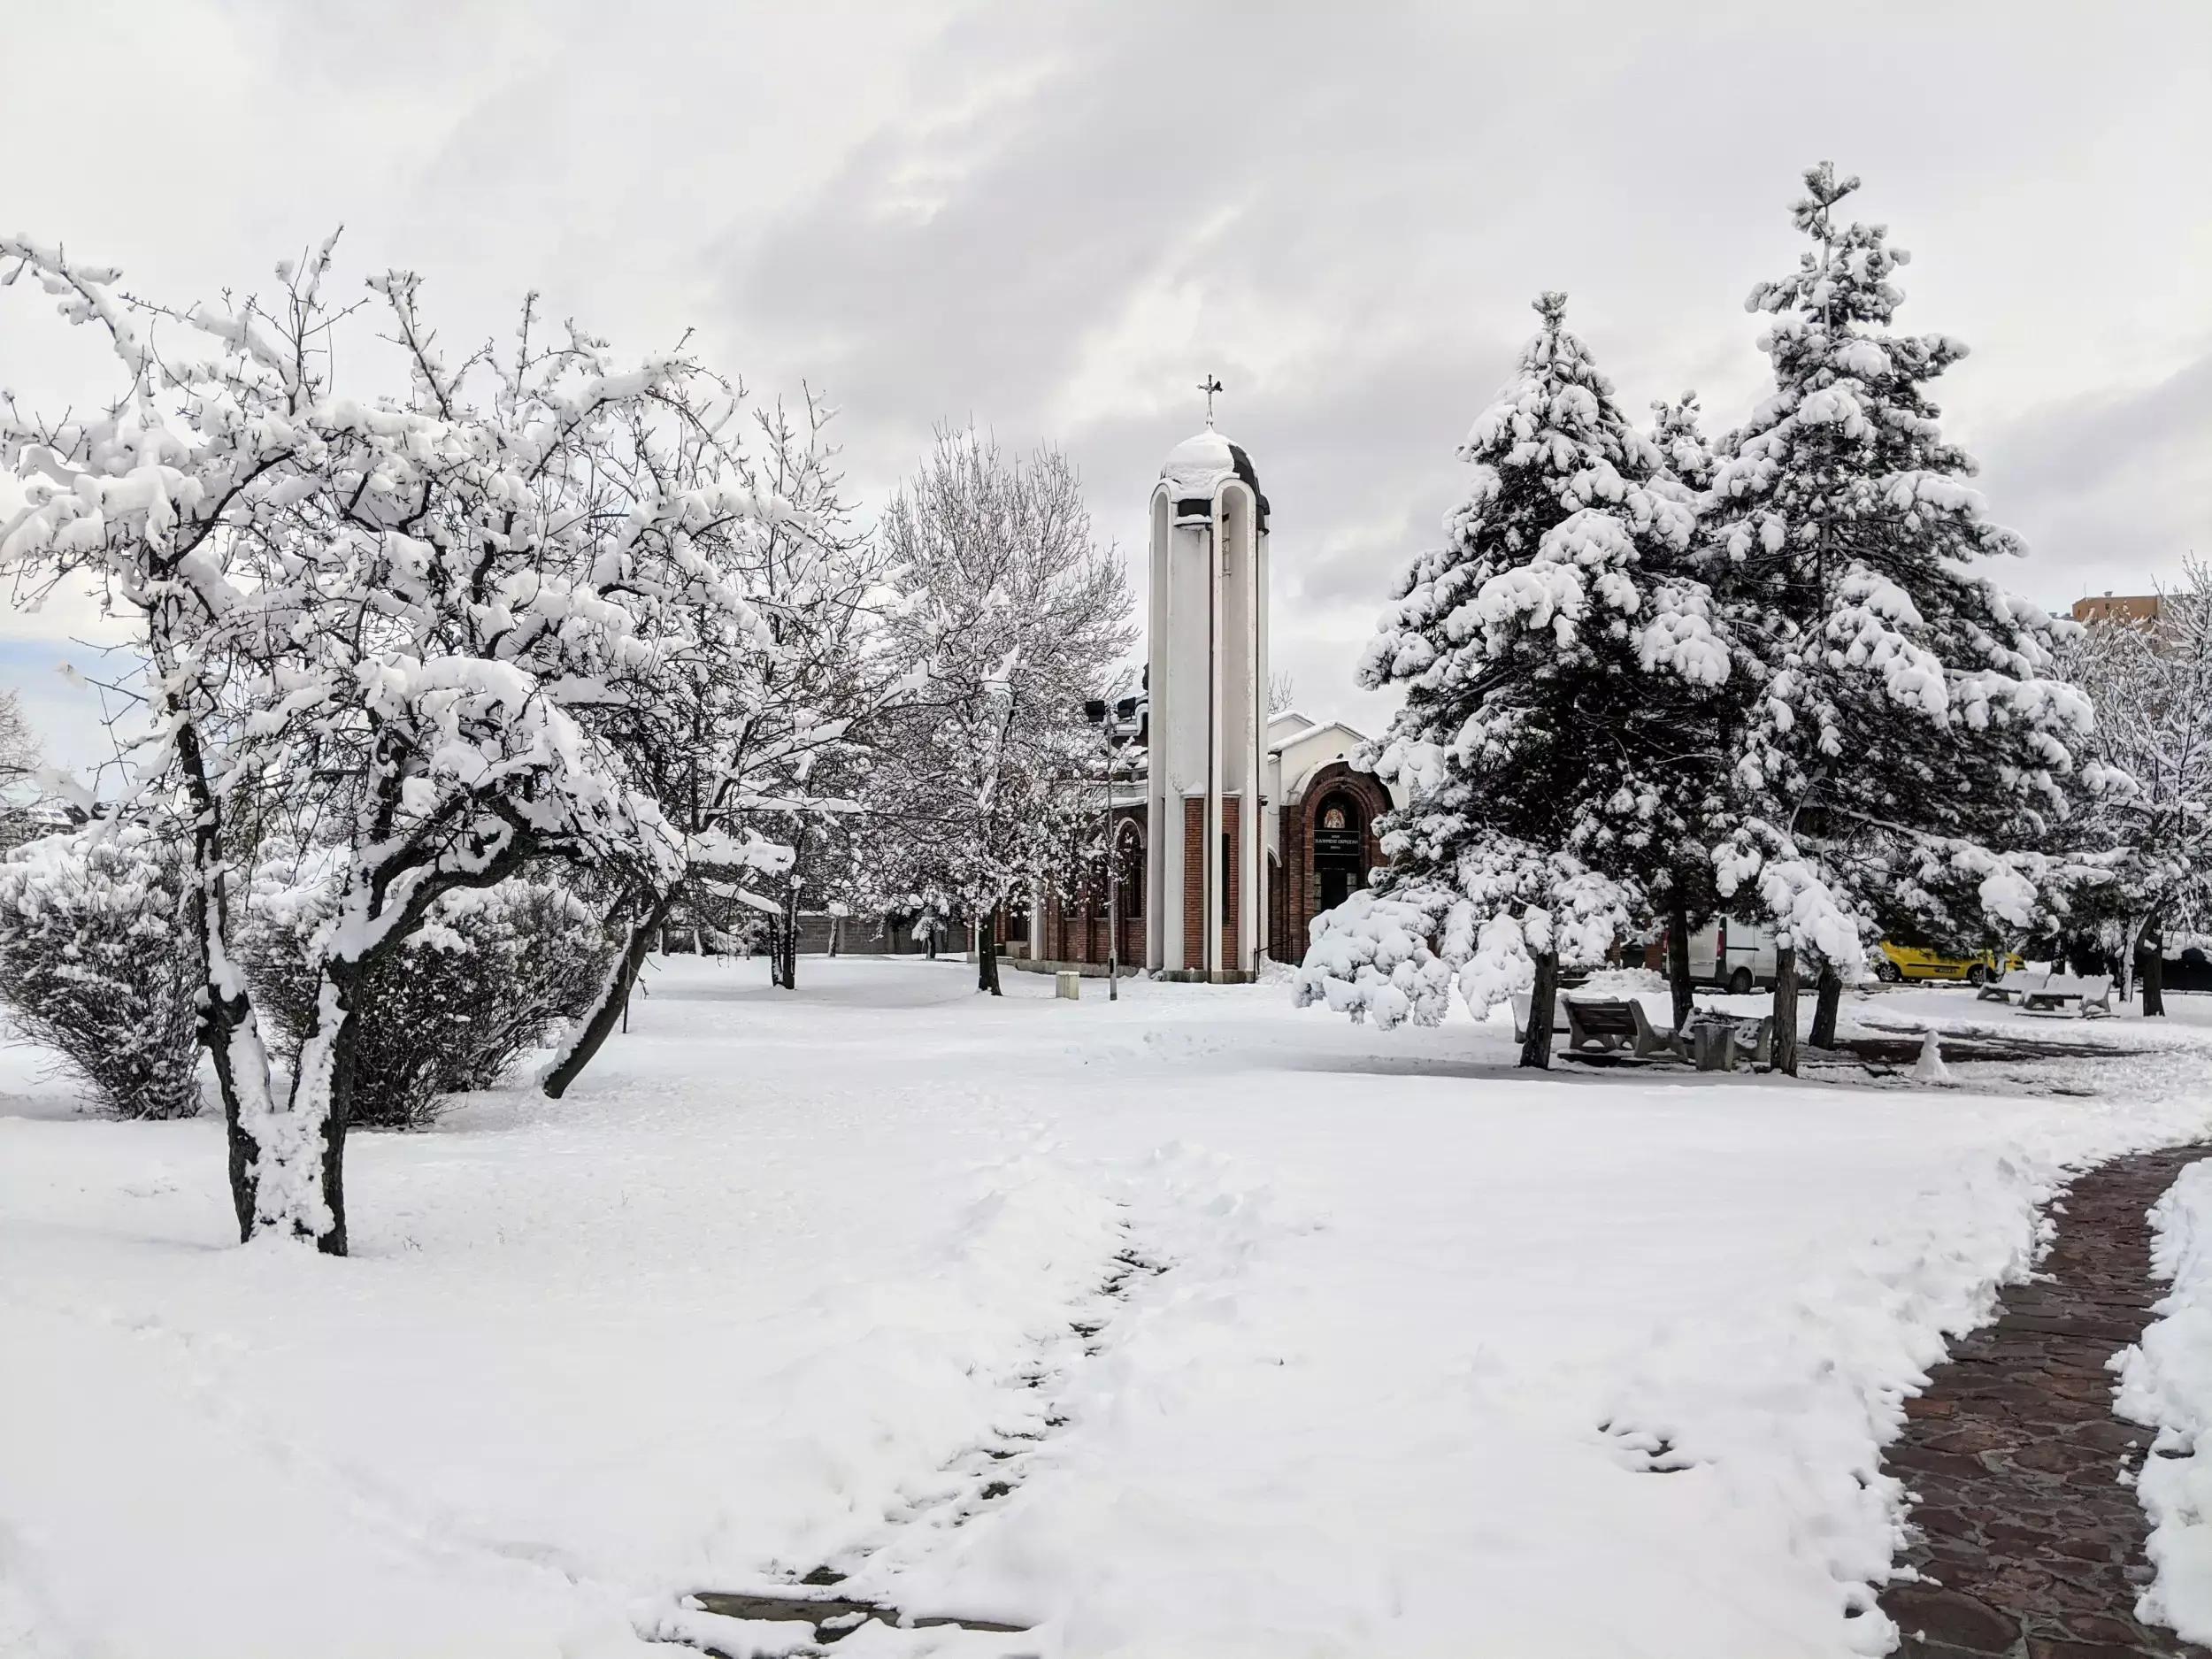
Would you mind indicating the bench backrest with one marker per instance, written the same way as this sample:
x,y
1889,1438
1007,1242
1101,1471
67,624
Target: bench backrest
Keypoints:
x,y
2095,986
1607,1018
2025,979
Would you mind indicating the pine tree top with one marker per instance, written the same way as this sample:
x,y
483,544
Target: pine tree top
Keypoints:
x,y
1907,718
1679,437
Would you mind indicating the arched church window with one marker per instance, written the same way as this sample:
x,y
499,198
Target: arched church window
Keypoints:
x,y
1132,856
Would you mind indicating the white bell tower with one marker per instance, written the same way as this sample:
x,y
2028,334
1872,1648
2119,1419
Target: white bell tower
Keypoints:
x,y
1206,865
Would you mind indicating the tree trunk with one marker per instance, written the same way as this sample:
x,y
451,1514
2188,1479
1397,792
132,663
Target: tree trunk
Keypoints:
x,y
2154,971
987,953
1785,1010
299,1174
1679,958
232,1038
1543,1007
1825,1004
227,1029
785,970
614,997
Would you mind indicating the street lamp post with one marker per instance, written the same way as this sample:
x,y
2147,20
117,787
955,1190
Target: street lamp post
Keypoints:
x,y
1116,723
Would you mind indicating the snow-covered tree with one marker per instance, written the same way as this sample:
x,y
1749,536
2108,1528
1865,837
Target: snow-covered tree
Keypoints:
x,y
2151,683
95,963
749,741
1551,656
18,744
374,619
1012,616
1677,433
1905,725
1684,889
21,763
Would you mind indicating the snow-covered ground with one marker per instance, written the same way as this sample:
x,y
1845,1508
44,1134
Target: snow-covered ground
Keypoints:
x,y
1443,1360
2166,1383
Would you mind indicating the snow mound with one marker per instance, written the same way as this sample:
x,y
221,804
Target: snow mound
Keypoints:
x,y
1611,984
2166,1383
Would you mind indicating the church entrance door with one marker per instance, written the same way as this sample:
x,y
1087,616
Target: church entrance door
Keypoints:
x,y
1336,886
1339,844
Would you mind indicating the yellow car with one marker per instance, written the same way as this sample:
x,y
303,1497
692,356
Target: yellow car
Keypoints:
x,y
1894,963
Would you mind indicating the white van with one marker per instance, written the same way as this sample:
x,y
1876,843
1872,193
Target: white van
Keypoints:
x,y
1737,955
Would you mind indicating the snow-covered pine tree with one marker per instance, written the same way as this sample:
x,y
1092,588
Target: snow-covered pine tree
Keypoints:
x,y
1545,653
1678,432
1906,711
1683,888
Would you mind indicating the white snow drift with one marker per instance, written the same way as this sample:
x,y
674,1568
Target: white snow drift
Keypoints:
x,y
1443,1360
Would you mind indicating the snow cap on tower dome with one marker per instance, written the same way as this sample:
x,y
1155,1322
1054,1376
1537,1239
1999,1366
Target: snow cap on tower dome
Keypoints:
x,y
1199,465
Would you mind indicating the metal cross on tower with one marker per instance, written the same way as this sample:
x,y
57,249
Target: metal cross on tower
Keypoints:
x,y
1209,385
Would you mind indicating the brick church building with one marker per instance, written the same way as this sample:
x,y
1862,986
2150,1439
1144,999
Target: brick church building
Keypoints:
x,y
1232,827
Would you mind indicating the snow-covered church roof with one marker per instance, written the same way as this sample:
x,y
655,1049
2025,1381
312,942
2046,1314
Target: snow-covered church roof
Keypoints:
x,y
1201,463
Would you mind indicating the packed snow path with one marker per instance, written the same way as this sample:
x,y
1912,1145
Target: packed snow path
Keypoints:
x,y
1445,1360
2028,1535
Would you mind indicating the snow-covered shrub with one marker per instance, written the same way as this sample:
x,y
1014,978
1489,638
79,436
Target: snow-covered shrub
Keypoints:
x,y
95,962
1618,983
489,973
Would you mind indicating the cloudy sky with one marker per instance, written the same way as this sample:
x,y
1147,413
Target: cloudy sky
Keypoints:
x,y
1053,219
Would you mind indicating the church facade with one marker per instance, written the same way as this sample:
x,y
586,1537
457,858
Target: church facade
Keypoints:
x,y
1232,828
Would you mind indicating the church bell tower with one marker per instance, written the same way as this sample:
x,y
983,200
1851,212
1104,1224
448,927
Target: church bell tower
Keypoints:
x,y
1206,866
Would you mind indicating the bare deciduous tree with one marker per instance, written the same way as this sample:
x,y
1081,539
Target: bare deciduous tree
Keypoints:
x,y
2151,682
1015,616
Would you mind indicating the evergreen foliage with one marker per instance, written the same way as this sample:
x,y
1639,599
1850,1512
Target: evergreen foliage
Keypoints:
x,y
95,963
1907,741
1551,653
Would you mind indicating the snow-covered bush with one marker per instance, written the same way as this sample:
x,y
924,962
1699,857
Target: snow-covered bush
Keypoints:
x,y
93,963
488,975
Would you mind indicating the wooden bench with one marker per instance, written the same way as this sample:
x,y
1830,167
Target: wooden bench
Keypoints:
x,y
2006,987
2094,994
1608,1025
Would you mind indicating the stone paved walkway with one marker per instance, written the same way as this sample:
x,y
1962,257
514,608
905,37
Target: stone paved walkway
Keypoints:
x,y
2029,1545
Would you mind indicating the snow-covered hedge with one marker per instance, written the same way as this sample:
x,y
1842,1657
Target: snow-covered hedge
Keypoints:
x,y
95,963
487,976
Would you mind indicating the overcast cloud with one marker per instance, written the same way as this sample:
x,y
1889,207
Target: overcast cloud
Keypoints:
x,y
1053,219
